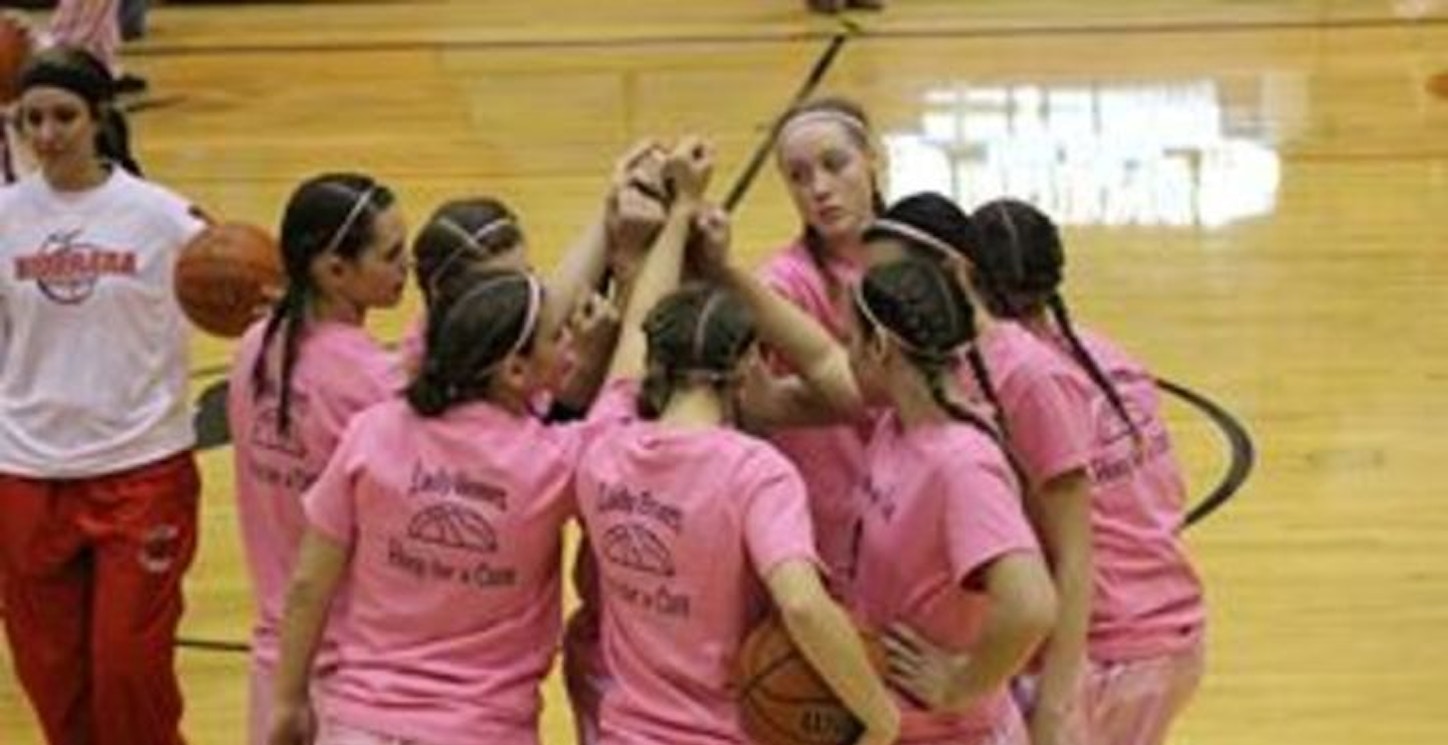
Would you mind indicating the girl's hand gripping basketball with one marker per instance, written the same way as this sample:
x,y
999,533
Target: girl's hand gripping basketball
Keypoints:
x,y
930,675
689,168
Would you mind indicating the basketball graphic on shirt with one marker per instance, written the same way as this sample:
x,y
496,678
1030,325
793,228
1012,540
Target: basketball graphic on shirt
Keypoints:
x,y
66,269
453,526
635,547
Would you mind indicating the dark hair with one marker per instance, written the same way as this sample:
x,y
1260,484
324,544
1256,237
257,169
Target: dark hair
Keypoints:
x,y
1018,267
698,332
461,232
81,73
469,333
931,226
332,213
847,110
930,318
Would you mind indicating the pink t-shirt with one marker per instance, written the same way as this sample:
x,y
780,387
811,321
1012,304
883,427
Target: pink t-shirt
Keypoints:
x,y
683,524
340,370
941,504
1148,599
1046,401
585,669
829,458
454,526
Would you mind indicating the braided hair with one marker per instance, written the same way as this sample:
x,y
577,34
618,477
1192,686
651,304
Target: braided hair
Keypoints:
x,y
333,213
1019,262
932,227
698,333
926,313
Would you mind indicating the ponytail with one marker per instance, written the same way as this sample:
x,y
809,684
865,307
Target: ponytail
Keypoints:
x,y
934,376
1084,358
286,318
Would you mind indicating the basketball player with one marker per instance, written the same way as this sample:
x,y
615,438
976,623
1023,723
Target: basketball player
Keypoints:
x,y
1042,404
299,376
946,561
1148,615
693,525
98,484
444,514
826,155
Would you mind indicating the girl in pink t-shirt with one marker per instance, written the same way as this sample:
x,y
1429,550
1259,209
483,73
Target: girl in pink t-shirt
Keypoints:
x,y
1042,405
694,526
298,378
825,152
946,561
1148,614
443,513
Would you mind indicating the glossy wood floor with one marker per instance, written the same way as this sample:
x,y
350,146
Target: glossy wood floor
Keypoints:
x,y
1255,193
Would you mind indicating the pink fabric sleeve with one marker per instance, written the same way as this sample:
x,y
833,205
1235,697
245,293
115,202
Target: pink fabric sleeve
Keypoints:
x,y
1048,427
616,403
983,518
776,515
330,503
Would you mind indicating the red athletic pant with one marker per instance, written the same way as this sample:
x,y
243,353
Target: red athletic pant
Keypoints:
x,y
92,597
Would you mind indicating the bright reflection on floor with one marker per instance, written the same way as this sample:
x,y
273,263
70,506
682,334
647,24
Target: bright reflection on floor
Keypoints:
x,y
1152,154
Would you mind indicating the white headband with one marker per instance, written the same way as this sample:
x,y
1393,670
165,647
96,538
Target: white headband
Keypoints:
x,y
906,230
849,121
362,200
473,241
904,343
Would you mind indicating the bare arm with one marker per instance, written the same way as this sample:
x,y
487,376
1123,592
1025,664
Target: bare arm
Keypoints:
x,y
808,347
830,643
1022,610
586,259
691,164
319,569
576,275
1061,513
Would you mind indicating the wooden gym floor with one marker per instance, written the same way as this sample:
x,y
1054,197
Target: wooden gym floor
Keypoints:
x,y
1255,194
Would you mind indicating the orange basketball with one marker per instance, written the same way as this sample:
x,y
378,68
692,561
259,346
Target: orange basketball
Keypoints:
x,y
14,52
1437,84
225,274
783,701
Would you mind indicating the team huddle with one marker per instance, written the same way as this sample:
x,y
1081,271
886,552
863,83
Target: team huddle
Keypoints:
x,y
892,440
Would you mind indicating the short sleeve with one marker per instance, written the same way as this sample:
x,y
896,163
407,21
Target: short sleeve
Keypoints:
x,y
776,520
1049,423
331,501
983,517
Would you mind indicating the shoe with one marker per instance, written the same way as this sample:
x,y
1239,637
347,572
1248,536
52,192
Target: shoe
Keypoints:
x,y
825,6
127,84
866,4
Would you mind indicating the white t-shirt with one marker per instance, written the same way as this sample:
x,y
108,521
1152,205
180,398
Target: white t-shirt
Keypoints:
x,y
93,345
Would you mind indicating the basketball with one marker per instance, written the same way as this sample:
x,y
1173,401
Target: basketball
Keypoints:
x,y
225,274
783,701
1438,84
14,52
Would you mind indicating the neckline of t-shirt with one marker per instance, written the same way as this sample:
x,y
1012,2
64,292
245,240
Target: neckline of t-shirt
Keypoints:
x,y
70,199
